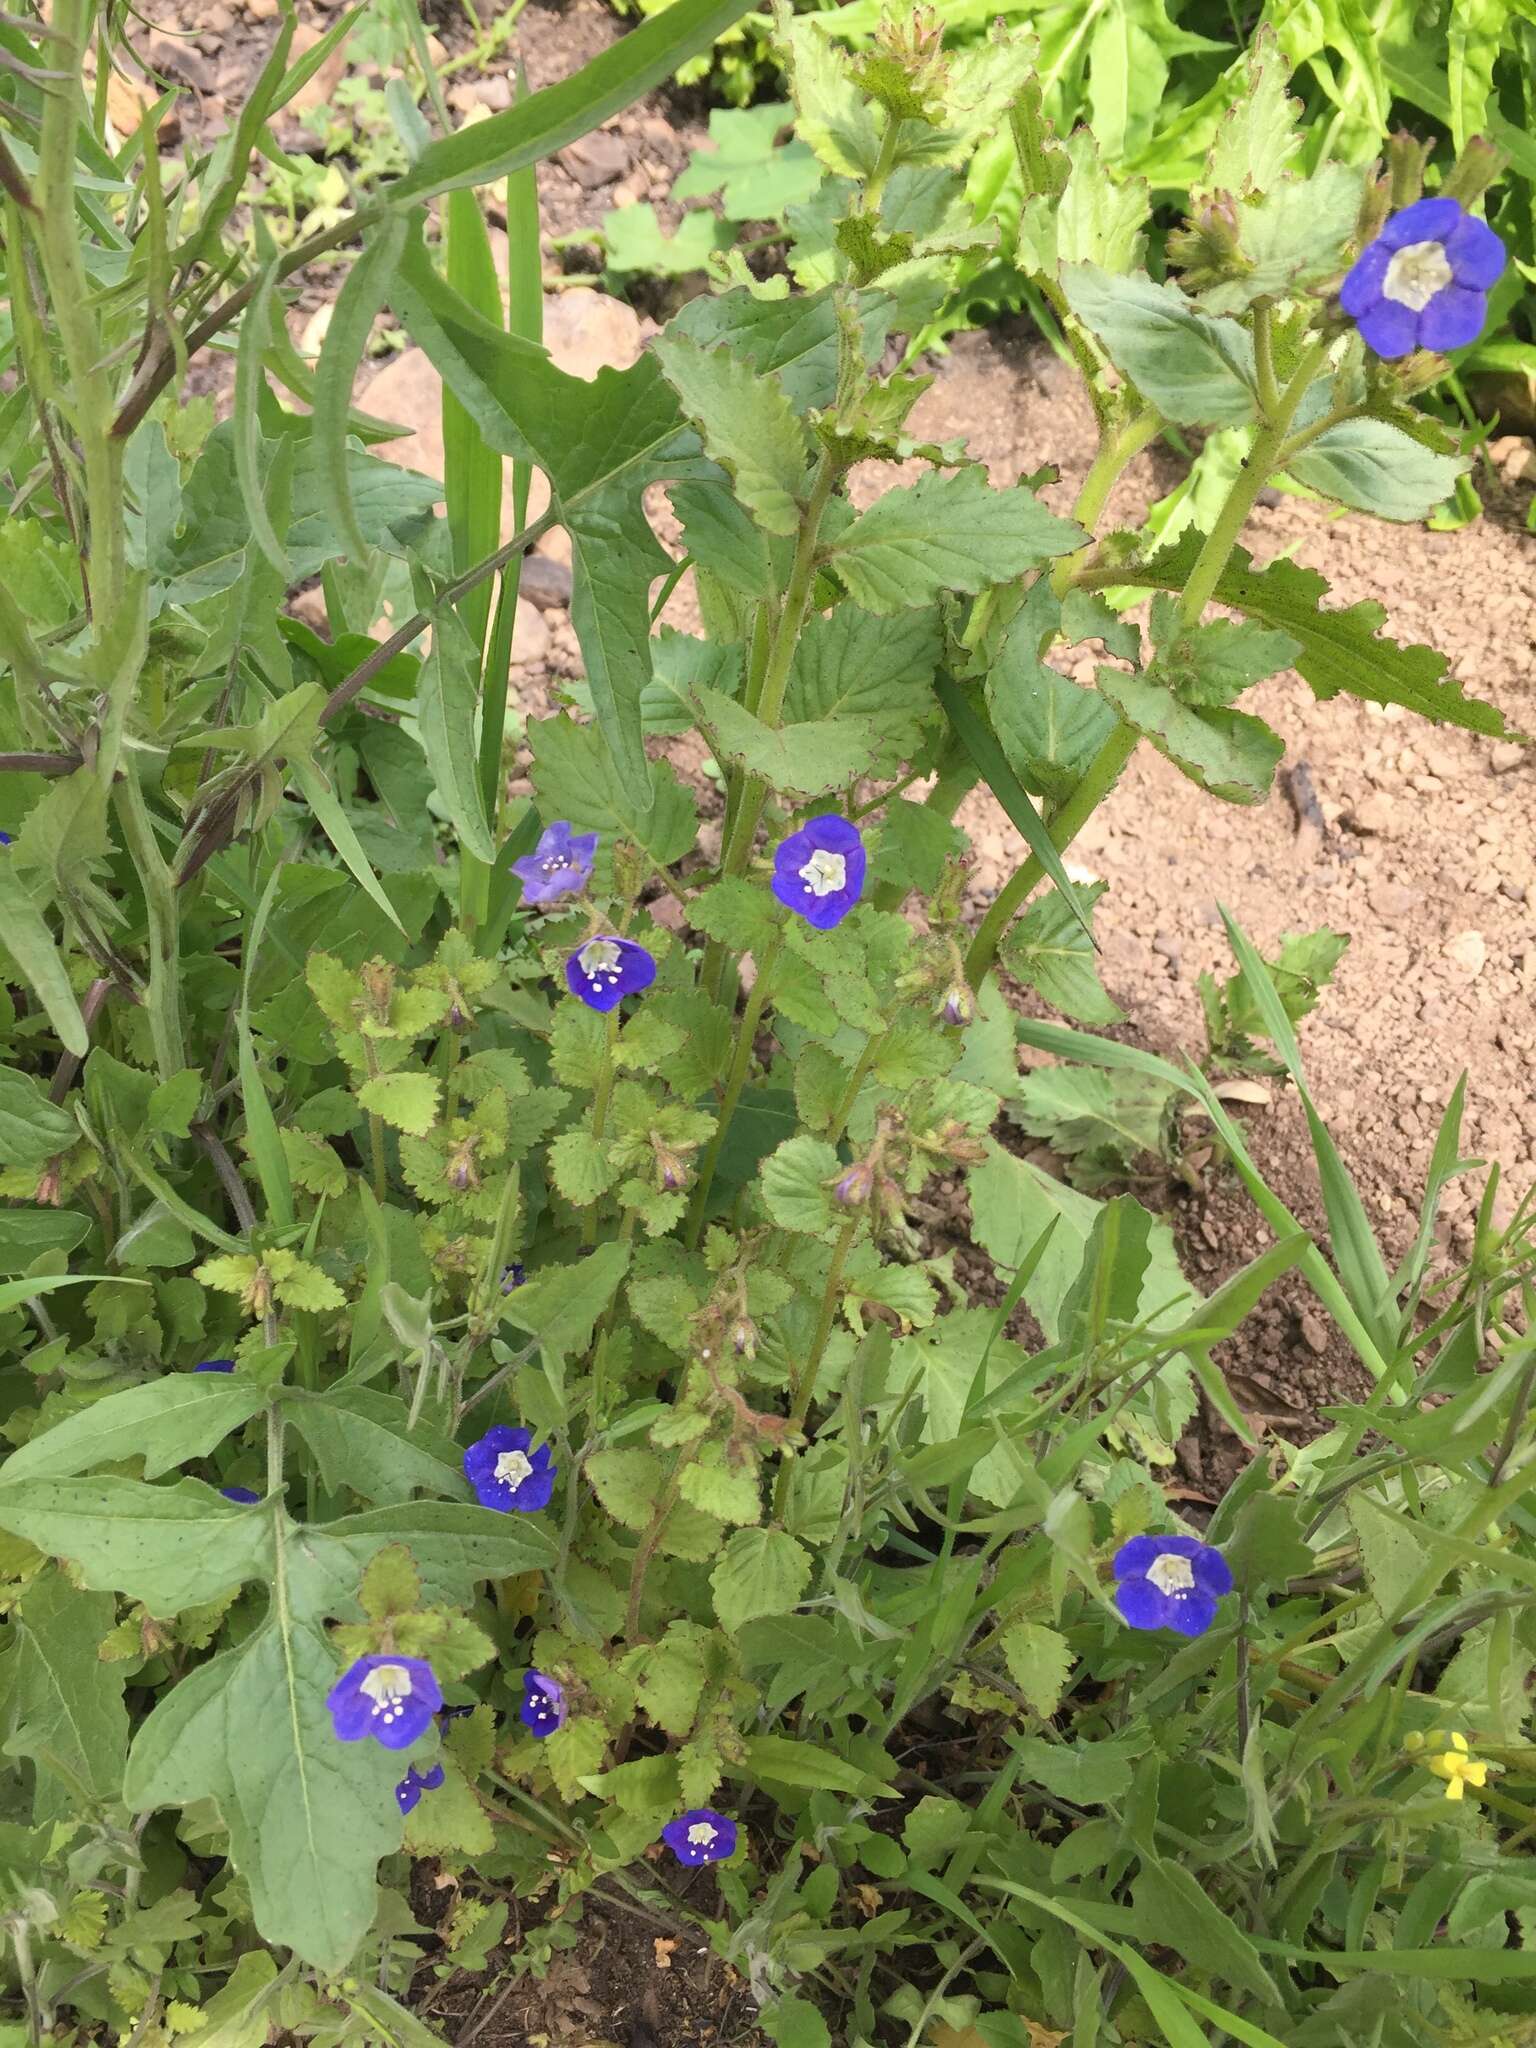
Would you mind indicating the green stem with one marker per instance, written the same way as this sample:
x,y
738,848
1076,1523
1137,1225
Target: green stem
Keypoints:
x,y
274,1452
1260,465
601,1096
885,163
164,996
640,1569
856,1080
735,1081
804,1386
1264,360
376,1129
1115,451
1099,778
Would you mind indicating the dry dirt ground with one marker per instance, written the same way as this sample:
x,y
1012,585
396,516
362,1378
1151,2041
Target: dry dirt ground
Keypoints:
x,y
1426,857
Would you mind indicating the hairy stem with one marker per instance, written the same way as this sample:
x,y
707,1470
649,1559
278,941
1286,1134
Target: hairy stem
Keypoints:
x,y
163,997
735,1081
803,1388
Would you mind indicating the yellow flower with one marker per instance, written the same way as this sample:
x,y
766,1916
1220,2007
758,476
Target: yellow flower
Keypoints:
x,y
1458,1768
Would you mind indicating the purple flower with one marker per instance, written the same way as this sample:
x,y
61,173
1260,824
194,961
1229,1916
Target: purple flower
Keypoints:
x,y
1170,1582
389,1697
241,1495
506,1474
700,1836
5,839
1423,282
560,865
543,1708
215,1365
410,1788
819,870
512,1277
606,970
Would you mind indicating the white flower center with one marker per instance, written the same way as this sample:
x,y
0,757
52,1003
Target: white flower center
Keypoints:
x,y
1171,1573
388,1686
600,957
1415,274
702,1835
824,874
513,1467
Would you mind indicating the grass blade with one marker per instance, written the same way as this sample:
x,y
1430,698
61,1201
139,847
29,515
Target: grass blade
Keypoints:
x,y
361,296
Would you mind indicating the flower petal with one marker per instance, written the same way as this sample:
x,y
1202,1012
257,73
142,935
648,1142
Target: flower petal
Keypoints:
x,y
1213,1575
1134,1556
1362,288
1141,1604
1191,1613
1427,220
1390,329
1452,318
1475,253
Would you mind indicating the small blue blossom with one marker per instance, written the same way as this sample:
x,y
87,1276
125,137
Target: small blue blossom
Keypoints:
x,y
410,1788
215,1365
543,1708
513,1277
560,865
1170,1582
5,839
606,970
819,870
389,1697
700,1836
507,1474
455,1713
1423,282
242,1496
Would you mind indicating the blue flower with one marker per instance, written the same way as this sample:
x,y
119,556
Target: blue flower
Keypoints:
x,y
410,1788
819,870
513,1277
389,1697
700,1836
1423,282
506,1474
606,970
1170,1582
5,839
543,1708
560,865
215,1365
241,1495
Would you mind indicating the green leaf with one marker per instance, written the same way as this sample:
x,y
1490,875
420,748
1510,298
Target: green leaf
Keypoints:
x,y
795,1184
1261,133
1078,1111
795,339
1212,664
406,1101
363,1438
670,1676
1051,947
1196,370
730,1493
1093,219
833,116
852,665
635,240
1092,1774
32,1129
1039,1663
1342,650
1049,727
1390,1550
560,1305
546,121
578,1164
807,1766
1173,1908
165,1422
1376,467
748,425
1294,240
628,1481
361,298
447,699
577,778
807,759
946,533
756,179
761,1571
794,2023
64,1704
173,1104
26,1234
30,944
1230,753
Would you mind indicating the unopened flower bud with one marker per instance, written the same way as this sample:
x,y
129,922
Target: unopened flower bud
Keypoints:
x,y
854,1188
1406,158
50,1187
460,1170
957,1143
459,1019
959,1005
1480,165
1417,372
259,1292
671,1167
379,987
744,1337
1208,247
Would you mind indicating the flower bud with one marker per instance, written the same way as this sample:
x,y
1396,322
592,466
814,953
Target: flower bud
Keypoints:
x,y
1480,165
378,978
1406,158
460,1170
459,1018
958,1006
1208,247
1416,372
672,1170
744,1337
50,1187
854,1188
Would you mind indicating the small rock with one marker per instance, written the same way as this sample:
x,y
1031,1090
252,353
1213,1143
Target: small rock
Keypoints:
x,y
530,635
1516,458
557,545
409,391
261,10
494,92
1515,891
316,91
545,583
1394,900
1313,1334
1468,951
1168,946
1375,815
596,159
586,331
1506,755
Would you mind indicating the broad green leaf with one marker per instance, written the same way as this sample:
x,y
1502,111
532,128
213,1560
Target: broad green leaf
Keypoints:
x,y
756,178
850,664
546,121
629,1481
810,1766
361,298
731,1493
794,2023
63,1705
32,1129
1049,727
1094,220
795,1184
832,115
362,1438
1256,141
1378,468
560,1305
447,699
1051,947
635,240
670,1676
168,1546
1080,1111
1342,649
748,426
1211,665
761,1571
1293,240
1197,371
808,759
950,532
1090,1774
165,1422
793,339
25,1234
1390,1550
1174,1910
407,1101
1039,1663
1230,753
577,778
